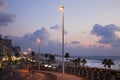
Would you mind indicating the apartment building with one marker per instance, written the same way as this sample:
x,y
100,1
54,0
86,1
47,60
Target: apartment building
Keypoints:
x,y
5,47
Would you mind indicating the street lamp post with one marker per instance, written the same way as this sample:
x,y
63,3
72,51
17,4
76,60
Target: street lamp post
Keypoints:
x,y
25,55
38,41
62,9
29,54
29,50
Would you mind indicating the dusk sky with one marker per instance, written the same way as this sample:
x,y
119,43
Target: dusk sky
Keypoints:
x,y
92,27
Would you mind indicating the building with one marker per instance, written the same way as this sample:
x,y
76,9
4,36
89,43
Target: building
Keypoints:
x,y
5,48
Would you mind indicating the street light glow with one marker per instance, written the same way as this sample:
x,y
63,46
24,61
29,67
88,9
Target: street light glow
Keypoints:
x,y
61,8
29,49
38,40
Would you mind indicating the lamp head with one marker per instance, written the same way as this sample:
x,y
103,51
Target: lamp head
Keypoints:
x,y
61,8
38,40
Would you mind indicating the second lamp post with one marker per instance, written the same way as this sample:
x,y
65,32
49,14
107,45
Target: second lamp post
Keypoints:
x,y
62,9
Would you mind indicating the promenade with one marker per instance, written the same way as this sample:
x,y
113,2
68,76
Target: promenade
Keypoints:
x,y
24,74
61,76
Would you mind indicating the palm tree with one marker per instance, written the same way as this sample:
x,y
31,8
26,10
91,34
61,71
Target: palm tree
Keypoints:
x,y
75,62
104,62
16,50
32,55
107,62
110,62
67,56
79,61
46,56
84,61
17,54
52,58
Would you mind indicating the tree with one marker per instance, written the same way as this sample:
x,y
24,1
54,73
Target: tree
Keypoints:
x,y
32,53
83,61
67,56
79,61
52,58
107,63
17,54
110,62
104,62
46,56
16,50
33,58
75,62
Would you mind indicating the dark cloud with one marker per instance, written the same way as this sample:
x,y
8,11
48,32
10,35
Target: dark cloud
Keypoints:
x,y
75,42
43,34
5,19
65,32
29,40
55,27
107,34
3,4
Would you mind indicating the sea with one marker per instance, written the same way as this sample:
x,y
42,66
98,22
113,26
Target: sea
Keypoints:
x,y
96,61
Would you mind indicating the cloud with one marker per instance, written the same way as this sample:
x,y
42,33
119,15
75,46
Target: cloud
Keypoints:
x,y
3,5
107,34
29,39
65,32
75,42
5,18
43,34
55,27
58,27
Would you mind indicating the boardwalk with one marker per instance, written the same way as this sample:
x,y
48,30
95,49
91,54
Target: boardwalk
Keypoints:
x,y
24,74
61,76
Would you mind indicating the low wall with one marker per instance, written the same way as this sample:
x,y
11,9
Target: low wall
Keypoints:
x,y
89,73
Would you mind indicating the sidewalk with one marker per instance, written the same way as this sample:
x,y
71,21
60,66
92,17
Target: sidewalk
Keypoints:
x,y
61,76
24,74
33,75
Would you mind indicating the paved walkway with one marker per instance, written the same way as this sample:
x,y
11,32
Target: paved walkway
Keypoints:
x,y
33,75
61,76
24,74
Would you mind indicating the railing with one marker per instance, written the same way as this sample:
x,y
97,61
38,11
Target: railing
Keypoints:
x,y
89,73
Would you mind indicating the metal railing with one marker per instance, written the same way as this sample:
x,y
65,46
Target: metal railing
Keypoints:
x,y
89,73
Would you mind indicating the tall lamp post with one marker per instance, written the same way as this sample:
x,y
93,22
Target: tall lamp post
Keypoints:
x,y
29,54
38,41
62,9
29,50
25,55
